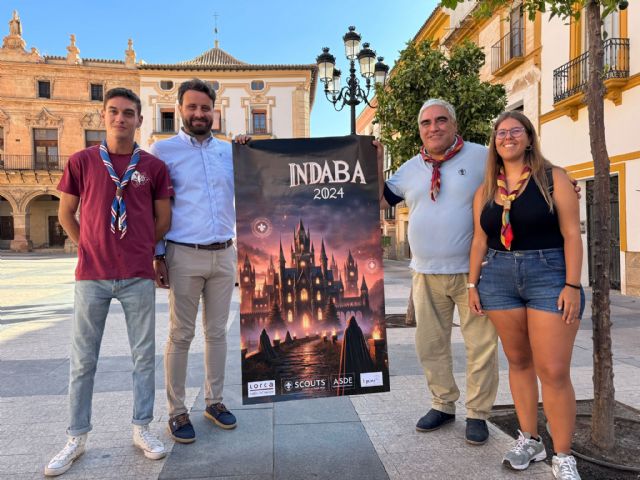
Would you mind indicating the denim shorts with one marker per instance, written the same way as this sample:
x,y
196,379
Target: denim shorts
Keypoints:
x,y
525,278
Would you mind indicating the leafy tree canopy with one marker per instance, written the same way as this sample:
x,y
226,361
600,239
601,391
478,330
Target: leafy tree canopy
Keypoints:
x,y
557,8
423,72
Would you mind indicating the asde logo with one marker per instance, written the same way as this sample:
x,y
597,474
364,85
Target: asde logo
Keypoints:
x,y
295,385
371,379
263,388
345,382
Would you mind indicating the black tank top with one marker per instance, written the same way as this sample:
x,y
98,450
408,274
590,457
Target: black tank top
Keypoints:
x,y
534,226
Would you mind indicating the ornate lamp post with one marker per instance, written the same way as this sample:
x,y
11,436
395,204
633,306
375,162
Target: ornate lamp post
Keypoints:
x,y
351,94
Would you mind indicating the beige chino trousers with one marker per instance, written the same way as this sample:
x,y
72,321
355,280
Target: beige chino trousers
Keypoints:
x,y
434,298
195,274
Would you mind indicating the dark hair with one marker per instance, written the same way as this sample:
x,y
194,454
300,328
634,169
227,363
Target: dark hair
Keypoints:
x,y
123,92
197,85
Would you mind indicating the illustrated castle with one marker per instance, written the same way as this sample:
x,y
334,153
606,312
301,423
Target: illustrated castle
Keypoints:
x,y
304,297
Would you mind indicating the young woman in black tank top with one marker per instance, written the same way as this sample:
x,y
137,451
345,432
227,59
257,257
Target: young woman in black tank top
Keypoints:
x,y
524,270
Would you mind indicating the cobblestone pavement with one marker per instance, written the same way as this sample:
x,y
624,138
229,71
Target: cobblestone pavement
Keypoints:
x,y
359,437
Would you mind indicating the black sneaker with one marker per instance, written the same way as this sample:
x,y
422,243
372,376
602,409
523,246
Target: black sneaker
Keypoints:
x,y
181,429
219,415
477,431
433,420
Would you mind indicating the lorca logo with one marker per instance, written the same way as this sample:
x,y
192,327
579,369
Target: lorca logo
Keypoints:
x,y
262,388
294,384
345,381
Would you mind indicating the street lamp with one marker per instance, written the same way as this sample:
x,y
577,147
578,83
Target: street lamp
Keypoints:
x,y
351,94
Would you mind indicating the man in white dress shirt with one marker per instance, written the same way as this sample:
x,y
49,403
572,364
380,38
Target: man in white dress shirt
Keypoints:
x,y
198,258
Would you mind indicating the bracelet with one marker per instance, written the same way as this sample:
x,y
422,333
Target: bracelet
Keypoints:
x,y
577,287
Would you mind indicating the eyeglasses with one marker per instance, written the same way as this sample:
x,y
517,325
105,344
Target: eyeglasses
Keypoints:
x,y
515,132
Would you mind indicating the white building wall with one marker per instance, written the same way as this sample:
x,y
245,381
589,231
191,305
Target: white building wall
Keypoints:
x,y
234,97
566,142
555,52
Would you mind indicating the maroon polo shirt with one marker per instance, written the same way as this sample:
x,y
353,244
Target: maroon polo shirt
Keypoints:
x,y
103,255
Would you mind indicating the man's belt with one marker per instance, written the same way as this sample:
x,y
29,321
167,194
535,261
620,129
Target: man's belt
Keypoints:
x,y
211,246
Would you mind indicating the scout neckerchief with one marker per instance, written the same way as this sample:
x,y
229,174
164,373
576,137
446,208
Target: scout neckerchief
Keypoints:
x,y
436,164
506,232
118,208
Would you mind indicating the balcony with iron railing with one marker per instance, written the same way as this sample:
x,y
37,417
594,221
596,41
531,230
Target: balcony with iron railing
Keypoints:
x,y
571,78
260,129
33,162
508,52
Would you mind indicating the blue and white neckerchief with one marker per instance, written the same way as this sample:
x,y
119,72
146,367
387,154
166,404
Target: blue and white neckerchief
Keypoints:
x,y
118,207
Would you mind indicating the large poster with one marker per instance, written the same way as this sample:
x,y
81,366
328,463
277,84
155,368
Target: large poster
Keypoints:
x,y
309,269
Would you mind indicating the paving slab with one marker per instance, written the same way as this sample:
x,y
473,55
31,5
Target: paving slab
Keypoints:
x,y
245,450
318,410
325,451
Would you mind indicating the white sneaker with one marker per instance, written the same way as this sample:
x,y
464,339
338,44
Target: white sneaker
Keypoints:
x,y
64,459
564,467
148,442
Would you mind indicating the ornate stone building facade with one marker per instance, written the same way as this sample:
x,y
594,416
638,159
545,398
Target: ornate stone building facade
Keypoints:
x,y
50,107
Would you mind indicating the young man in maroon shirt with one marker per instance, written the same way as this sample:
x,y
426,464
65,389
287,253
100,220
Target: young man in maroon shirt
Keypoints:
x,y
125,210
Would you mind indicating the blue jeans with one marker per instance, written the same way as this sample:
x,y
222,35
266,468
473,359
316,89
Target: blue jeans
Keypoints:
x,y
523,279
91,306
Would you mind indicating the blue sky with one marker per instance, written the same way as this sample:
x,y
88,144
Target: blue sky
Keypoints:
x,y
277,31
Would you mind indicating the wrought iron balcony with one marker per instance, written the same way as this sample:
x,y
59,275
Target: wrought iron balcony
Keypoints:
x,y
33,162
167,125
507,49
572,77
259,127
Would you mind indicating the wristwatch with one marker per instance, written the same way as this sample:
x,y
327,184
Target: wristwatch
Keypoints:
x,y
471,285
159,257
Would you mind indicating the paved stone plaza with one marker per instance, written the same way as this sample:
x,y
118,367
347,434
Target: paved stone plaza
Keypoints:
x,y
360,437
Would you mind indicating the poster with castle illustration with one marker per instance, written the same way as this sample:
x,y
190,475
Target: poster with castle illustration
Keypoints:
x,y
309,269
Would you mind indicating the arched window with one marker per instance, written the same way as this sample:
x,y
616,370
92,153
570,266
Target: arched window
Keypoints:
x,y
290,316
304,295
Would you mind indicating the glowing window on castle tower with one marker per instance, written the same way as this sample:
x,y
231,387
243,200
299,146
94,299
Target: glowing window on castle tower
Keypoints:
x,y
351,274
290,316
303,263
304,295
246,279
289,297
317,280
318,296
319,314
305,322
289,282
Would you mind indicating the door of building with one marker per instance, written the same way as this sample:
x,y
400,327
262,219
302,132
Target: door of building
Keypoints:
x,y
56,233
614,266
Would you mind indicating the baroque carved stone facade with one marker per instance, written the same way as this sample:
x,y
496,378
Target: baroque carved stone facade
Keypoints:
x,y
50,107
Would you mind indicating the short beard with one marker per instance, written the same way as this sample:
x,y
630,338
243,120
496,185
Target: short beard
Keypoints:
x,y
198,130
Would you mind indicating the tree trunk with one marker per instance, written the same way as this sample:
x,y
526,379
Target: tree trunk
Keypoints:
x,y
410,318
602,427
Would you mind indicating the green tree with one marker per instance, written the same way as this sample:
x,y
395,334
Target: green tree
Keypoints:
x,y
423,72
602,427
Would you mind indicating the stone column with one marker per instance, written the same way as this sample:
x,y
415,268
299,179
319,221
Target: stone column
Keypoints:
x,y
21,226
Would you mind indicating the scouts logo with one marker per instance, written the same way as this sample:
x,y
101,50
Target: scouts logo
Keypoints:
x,y
261,227
139,178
